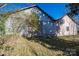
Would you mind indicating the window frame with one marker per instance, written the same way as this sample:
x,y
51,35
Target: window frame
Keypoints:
x,y
67,28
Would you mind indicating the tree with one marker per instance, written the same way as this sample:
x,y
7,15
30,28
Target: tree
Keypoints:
x,y
2,4
73,9
34,21
3,18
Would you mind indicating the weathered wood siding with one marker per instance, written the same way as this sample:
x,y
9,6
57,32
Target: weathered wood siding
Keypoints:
x,y
18,18
68,27
47,27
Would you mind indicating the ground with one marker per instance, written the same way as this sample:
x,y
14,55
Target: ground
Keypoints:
x,y
15,45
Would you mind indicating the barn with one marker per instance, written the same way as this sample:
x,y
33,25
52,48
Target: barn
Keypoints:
x,y
64,26
67,26
45,22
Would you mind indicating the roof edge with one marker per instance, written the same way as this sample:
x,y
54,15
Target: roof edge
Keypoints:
x,y
18,10
34,5
72,19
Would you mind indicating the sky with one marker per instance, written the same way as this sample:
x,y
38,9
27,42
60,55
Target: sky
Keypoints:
x,y
55,10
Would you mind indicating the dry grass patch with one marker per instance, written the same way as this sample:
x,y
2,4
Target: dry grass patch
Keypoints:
x,y
15,45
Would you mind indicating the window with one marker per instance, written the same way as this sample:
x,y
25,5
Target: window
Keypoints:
x,y
43,14
44,23
67,28
50,31
48,22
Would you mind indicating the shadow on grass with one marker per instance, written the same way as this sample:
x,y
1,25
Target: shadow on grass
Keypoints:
x,y
68,47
